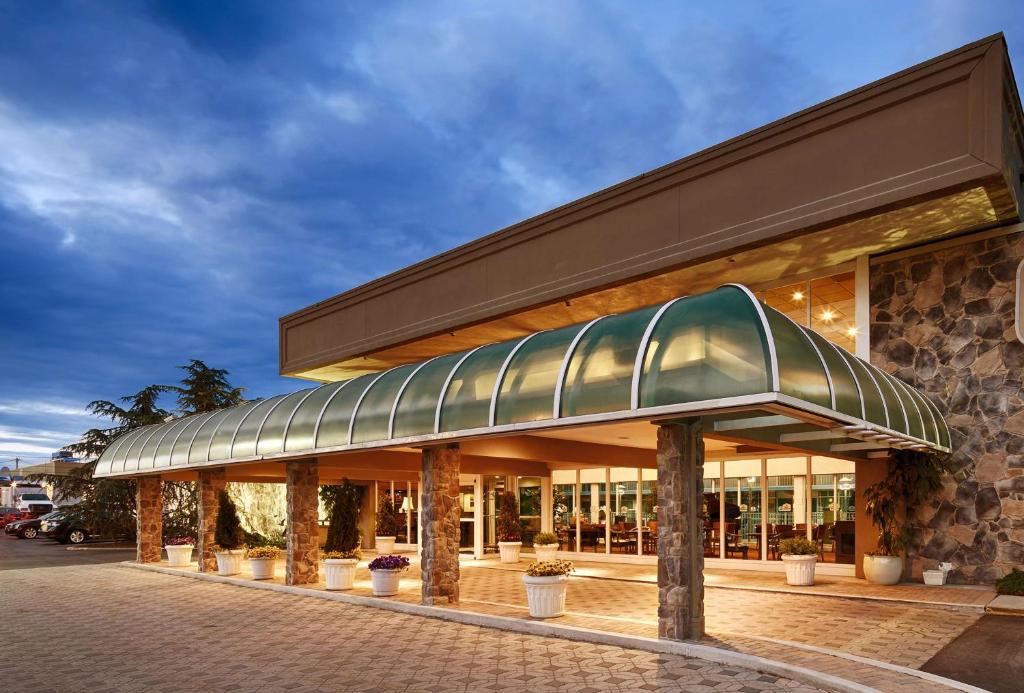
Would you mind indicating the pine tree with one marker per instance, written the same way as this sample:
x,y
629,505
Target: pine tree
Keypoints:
x,y
387,520
509,528
228,533
205,389
343,509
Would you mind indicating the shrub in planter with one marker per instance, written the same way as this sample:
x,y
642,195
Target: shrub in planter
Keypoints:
x,y
546,583
1012,584
262,560
385,572
341,550
799,555
387,525
179,551
509,530
228,536
545,545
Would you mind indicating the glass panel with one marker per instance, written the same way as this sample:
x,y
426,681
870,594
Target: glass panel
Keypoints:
x,y
738,528
833,509
220,448
145,460
832,309
623,512
705,347
874,408
416,410
786,507
897,421
163,453
790,300
927,416
593,512
129,457
179,455
843,383
600,374
529,507
494,488
915,426
300,431
801,374
374,412
467,403
405,507
334,423
528,387
467,505
245,441
271,437
117,456
201,443
563,505
940,422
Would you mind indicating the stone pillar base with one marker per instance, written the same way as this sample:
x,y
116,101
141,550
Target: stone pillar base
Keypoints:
x,y
149,519
303,565
439,508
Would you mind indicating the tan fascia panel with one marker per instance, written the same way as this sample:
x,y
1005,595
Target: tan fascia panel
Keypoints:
x,y
930,151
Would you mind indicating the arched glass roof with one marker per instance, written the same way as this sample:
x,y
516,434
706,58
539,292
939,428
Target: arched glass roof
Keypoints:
x,y
693,355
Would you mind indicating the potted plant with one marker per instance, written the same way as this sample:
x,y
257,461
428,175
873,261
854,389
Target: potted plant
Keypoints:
x,y
179,551
546,582
387,525
545,545
262,560
912,478
509,530
799,555
228,536
341,550
385,572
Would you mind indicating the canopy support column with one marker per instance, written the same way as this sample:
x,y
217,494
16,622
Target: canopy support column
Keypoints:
x,y
439,504
303,502
149,521
211,483
680,530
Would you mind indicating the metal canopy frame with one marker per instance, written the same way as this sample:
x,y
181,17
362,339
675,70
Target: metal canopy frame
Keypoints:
x,y
714,355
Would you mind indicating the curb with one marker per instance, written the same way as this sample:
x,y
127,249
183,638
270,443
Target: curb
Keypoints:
x,y
686,649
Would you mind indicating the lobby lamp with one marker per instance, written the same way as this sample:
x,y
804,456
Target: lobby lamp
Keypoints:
x,y
407,505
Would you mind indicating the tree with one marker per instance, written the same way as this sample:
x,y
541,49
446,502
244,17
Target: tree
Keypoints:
x,y
387,519
205,389
228,533
509,528
342,505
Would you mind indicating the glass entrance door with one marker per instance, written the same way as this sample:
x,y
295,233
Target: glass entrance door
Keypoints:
x,y
467,504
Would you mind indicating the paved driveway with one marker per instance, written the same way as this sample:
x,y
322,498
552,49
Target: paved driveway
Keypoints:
x,y
37,553
122,629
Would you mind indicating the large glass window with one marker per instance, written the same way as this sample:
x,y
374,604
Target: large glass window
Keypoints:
x,y
736,522
833,508
529,507
825,304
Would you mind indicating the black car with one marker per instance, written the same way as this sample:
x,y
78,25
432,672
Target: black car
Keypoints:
x,y
63,529
27,529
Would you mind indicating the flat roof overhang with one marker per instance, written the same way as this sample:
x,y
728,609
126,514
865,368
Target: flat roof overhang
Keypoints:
x,y
754,375
929,152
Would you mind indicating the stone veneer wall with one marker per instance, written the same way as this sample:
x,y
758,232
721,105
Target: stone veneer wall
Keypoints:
x,y
439,505
211,481
680,534
943,321
302,480
149,519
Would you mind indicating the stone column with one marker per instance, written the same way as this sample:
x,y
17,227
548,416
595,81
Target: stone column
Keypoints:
x,y
303,484
149,519
439,503
211,482
680,530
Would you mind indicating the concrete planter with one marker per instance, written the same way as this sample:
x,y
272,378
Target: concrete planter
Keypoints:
x,y
229,562
340,573
384,545
546,595
385,582
883,570
262,568
799,569
934,577
509,551
545,552
180,555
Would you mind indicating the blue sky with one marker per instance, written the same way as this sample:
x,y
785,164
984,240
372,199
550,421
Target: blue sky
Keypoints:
x,y
176,175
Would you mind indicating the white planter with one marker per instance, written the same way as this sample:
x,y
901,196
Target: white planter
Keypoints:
x,y
340,573
545,552
384,545
934,577
262,568
229,562
179,556
385,582
883,570
799,569
509,551
546,595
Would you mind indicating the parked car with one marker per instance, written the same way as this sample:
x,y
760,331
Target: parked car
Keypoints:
x,y
63,529
27,529
35,503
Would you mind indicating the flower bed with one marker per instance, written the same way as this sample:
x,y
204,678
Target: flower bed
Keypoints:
x,y
389,562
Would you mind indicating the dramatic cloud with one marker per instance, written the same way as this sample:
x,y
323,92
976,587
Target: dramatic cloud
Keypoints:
x,y
177,174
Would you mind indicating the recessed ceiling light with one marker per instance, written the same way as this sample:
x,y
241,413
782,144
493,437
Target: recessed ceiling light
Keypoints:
x,y
852,331
828,315
798,295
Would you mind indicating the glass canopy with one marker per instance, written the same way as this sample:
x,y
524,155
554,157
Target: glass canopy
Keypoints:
x,y
722,350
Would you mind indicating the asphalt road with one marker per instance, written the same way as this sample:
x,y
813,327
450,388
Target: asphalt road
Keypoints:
x,y
42,553
989,654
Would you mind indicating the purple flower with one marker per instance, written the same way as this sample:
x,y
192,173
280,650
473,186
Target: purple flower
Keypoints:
x,y
390,562
179,541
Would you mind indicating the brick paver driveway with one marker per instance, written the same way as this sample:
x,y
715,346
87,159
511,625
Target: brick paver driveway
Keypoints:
x,y
106,628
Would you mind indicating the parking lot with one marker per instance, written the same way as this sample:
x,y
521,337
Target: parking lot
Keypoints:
x,y
41,553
